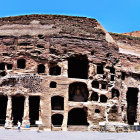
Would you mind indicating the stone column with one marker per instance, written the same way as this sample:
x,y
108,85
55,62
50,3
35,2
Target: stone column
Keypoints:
x,y
120,119
124,103
65,68
138,107
45,113
26,112
66,109
8,122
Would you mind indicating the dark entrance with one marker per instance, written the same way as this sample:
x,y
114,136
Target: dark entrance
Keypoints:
x,y
57,103
57,120
34,103
2,66
113,114
77,116
55,70
21,63
3,107
78,67
17,108
95,84
100,69
41,68
132,101
103,99
115,93
94,96
78,92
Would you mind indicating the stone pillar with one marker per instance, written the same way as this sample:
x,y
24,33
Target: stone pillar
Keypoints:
x,y
107,112
40,114
40,109
45,112
120,119
65,114
26,112
124,103
138,107
65,68
8,122
66,109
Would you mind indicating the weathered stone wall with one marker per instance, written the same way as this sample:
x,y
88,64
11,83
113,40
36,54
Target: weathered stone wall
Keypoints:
x,y
52,41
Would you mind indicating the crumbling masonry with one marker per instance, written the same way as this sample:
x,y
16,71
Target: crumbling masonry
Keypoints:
x,y
67,72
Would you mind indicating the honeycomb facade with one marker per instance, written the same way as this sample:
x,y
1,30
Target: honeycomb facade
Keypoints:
x,y
67,72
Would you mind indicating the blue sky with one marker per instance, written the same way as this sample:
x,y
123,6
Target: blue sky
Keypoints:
x,y
114,15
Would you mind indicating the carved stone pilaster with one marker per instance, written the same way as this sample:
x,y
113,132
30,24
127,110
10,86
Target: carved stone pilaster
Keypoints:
x,y
26,112
8,122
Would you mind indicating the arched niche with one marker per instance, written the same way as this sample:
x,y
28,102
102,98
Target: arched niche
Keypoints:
x,y
54,69
40,68
78,92
21,63
57,120
113,114
77,116
95,84
115,93
53,84
94,96
103,99
78,67
57,103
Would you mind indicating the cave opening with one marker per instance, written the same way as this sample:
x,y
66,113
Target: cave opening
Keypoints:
x,y
3,73
9,66
40,36
40,46
113,114
34,104
115,93
103,99
95,84
112,77
94,96
3,108
57,120
2,66
100,69
123,75
104,86
54,70
77,116
41,68
53,84
21,63
112,70
78,92
78,67
97,110
132,100
57,103
17,108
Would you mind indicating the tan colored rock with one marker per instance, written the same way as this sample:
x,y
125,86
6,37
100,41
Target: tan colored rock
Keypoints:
x,y
67,72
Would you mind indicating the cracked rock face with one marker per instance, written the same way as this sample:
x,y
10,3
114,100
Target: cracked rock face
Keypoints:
x,y
67,72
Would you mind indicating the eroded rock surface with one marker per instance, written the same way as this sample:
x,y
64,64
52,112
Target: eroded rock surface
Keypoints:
x,y
67,72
